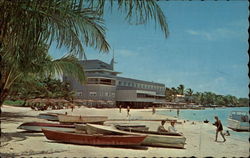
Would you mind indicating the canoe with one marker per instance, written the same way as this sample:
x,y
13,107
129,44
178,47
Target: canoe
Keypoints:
x,y
88,139
82,119
49,116
37,126
160,140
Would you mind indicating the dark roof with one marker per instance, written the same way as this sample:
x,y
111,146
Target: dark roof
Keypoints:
x,y
95,64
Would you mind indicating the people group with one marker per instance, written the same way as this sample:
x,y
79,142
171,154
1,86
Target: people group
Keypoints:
x,y
171,128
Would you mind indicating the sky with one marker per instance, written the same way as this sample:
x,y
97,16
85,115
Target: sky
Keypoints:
x,y
206,49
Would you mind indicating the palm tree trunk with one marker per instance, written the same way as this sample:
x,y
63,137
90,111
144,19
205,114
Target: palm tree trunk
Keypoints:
x,y
3,95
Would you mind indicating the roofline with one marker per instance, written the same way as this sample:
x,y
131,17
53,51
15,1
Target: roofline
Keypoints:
x,y
160,84
107,70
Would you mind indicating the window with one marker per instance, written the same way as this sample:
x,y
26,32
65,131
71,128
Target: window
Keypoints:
x,y
79,93
92,94
106,94
132,84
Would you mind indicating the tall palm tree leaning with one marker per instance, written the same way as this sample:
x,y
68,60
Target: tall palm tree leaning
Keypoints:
x,y
74,24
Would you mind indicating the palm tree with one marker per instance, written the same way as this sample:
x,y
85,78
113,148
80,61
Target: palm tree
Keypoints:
x,y
169,94
27,25
40,65
181,89
189,93
174,93
135,11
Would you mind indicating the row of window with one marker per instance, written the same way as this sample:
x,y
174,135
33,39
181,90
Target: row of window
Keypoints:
x,y
101,81
140,85
100,94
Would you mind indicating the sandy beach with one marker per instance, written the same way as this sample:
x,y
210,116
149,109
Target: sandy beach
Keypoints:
x,y
200,137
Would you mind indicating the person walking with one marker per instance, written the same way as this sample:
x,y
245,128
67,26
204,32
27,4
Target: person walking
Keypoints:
x,y
219,129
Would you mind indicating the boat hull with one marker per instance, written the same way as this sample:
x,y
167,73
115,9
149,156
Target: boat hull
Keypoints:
x,y
82,119
37,127
48,116
87,139
238,125
150,140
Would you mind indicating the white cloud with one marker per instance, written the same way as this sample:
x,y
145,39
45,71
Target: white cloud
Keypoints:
x,y
215,34
126,53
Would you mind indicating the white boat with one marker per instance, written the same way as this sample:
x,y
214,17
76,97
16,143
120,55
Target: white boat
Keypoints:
x,y
238,121
49,116
82,119
160,140
37,126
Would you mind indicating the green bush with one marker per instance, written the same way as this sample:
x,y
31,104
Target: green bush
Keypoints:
x,y
14,103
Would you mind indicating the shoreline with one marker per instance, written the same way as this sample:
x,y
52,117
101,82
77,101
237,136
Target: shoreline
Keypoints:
x,y
199,143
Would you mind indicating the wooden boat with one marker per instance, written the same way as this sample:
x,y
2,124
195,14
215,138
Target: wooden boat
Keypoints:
x,y
81,128
238,121
49,116
82,119
152,139
37,126
99,139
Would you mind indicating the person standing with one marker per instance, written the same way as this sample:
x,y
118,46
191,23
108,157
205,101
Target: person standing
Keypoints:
x,y
120,108
219,129
153,110
128,110
178,112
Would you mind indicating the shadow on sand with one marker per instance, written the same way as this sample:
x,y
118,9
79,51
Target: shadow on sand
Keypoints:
x,y
30,153
107,146
13,117
18,136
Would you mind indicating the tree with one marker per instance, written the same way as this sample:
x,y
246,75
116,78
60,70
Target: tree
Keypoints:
x,y
243,101
40,66
198,98
189,94
181,89
26,25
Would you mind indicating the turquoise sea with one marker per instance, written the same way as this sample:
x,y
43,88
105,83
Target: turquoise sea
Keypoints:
x,y
209,113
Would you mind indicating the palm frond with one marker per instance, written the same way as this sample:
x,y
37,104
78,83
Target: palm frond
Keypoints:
x,y
136,11
68,65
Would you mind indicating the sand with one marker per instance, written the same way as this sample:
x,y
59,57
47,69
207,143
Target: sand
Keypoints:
x,y
200,137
